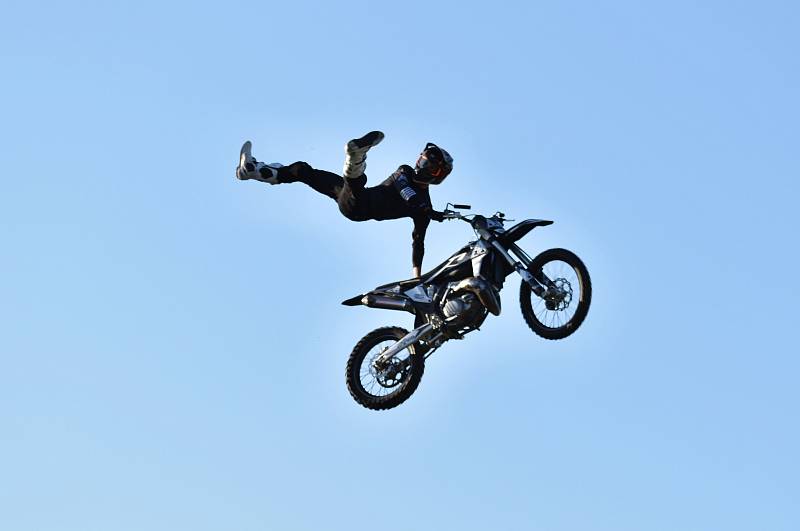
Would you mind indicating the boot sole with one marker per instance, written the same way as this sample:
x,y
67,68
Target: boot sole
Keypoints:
x,y
244,156
370,140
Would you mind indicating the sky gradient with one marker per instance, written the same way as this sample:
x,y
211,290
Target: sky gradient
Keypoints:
x,y
172,345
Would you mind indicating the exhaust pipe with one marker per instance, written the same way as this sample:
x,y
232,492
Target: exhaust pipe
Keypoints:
x,y
387,303
484,292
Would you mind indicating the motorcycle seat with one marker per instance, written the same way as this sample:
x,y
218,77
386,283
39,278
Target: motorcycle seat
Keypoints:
x,y
410,283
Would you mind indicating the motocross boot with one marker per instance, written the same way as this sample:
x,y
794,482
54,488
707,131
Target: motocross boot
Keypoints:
x,y
250,168
355,161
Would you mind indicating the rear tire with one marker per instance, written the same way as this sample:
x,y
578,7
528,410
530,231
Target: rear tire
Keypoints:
x,y
369,393
533,316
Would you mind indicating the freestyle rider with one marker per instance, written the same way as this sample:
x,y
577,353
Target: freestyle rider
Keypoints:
x,y
404,194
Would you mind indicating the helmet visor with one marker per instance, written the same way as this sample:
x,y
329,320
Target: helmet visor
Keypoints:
x,y
434,165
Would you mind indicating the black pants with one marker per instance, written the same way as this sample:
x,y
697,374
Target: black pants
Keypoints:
x,y
349,194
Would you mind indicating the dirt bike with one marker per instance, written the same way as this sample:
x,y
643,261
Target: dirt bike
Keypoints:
x,y
386,366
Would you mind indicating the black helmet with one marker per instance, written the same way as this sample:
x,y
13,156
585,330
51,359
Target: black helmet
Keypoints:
x,y
433,165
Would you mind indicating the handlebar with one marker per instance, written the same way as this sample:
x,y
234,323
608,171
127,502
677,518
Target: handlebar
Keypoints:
x,y
454,214
476,221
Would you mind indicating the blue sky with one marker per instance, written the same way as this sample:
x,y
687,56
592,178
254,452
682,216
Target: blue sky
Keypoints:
x,y
172,346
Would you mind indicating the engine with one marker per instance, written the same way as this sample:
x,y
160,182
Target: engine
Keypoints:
x,y
464,309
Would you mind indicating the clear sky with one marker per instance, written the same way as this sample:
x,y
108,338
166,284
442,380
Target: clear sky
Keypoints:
x,y
172,343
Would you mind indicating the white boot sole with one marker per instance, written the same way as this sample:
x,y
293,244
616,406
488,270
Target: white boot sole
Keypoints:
x,y
244,156
352,147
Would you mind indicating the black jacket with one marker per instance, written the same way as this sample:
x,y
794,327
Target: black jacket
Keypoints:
x,y
399,197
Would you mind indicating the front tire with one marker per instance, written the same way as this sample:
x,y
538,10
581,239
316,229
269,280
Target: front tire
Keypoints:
x,y
391,386
552,317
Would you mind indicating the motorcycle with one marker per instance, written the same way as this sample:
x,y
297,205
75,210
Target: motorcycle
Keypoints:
x,y
453,299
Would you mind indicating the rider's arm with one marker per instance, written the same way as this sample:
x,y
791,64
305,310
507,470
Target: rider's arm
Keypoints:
x,y
418,243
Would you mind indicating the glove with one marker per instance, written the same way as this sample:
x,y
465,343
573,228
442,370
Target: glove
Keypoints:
x,y
435,215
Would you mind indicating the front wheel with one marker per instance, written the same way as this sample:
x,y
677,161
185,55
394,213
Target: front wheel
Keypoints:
x,y
564,301
387,386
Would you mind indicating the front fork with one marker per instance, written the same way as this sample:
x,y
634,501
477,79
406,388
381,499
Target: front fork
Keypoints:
x,y
538,285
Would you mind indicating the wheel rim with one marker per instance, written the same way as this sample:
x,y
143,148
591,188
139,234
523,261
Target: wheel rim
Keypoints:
x,y
559,303
388,380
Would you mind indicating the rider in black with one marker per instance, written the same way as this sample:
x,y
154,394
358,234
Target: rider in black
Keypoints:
x,y
403,194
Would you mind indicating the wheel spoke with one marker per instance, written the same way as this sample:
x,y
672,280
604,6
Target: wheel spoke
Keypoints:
x,y
563,275
370,379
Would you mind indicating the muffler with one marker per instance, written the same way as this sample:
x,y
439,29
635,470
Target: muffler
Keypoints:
x,y
387,303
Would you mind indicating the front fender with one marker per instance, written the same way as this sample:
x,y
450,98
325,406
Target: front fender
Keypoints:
x,y
522,228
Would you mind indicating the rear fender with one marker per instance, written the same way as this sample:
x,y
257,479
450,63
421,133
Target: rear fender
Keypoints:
x,y
355,301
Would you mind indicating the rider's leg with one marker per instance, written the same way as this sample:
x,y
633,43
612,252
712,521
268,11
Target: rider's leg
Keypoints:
x,y
348,193
352,199
324,182
355,162
250,168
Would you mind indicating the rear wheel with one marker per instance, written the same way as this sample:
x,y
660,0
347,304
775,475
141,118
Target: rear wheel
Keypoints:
x,y
386,386
563,305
